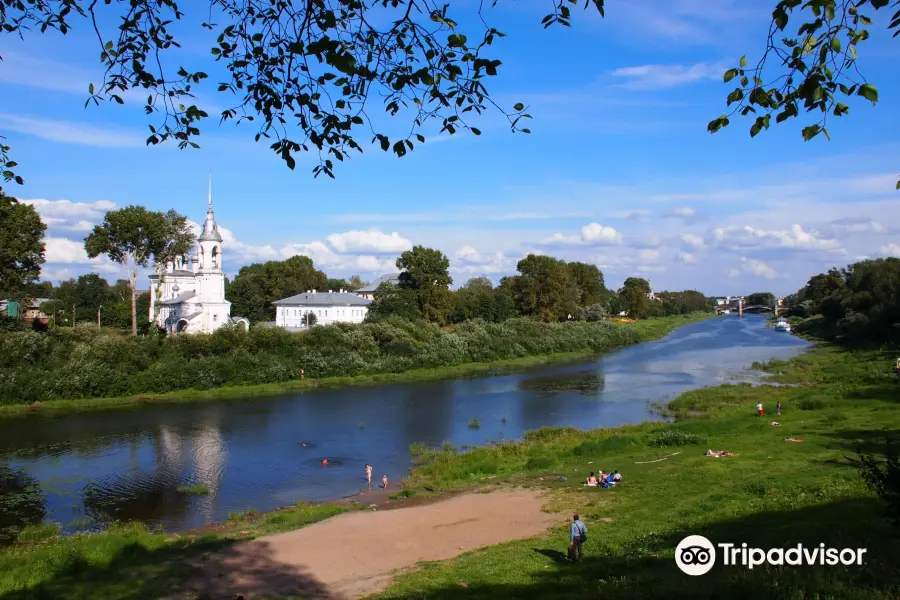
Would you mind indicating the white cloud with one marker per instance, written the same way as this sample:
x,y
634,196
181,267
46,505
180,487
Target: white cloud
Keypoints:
x,y
796,238
851,225
468,260
326,259
592,234
890,250
373,241
684,211
691,241
648,256
666,76
71,133
758,268
66,251
68,215
687,258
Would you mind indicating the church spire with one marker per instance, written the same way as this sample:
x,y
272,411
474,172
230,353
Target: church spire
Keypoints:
x,y
210,228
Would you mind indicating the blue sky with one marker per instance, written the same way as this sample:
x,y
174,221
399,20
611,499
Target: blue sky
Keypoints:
x,y
619,170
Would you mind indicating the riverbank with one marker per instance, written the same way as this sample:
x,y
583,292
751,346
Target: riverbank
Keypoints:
x,y
772,493
646,330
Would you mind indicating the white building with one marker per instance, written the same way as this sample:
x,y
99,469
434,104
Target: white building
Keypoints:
x,y
368,291
189,297
328,307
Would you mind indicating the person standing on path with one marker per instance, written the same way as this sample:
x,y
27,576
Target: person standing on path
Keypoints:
x,y
384,481
369,474
778,408
577,537
759,409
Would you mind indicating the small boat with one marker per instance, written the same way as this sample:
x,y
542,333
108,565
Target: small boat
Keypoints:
x,y
783,325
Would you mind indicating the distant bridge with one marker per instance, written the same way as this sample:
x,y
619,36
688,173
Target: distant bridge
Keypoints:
x,y
758,308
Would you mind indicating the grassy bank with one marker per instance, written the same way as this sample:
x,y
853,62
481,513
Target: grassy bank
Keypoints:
x,y
772,494
640,331
129,562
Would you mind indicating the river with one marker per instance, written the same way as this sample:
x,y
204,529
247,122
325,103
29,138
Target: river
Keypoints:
x,y
84,469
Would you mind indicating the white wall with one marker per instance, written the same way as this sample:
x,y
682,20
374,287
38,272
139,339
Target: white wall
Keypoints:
x,y
292,316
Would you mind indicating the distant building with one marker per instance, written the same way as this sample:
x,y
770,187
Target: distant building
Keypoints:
x,y
29,312
721,300
329,307
192,288
368,291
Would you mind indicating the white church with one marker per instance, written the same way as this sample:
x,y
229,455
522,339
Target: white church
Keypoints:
x,y
189,297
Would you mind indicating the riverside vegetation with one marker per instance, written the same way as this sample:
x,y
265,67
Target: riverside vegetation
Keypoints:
x,y
85,363
771,494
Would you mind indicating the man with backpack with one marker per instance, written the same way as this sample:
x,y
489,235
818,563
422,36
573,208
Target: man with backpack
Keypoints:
x,y
577,538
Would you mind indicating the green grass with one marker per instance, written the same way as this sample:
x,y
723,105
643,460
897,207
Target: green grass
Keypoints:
x,y
647,330
772,494
199,488
130,562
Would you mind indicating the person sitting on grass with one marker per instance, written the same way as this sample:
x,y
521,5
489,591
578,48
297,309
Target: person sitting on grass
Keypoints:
x,y
591,481
609,479
617,477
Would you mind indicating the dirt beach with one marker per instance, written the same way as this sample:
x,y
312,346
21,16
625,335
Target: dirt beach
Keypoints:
x,y
356,554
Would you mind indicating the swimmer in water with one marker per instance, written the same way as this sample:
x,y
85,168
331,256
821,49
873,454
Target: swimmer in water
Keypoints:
x,y
369,474
384,481
324,461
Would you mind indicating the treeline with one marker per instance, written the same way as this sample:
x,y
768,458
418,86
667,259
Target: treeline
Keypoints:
x,y
90,295
545,288
81,363
860,302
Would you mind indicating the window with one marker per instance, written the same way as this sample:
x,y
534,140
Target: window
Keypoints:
x,y
215,318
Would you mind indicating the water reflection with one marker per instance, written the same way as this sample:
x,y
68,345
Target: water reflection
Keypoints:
x,y
97,467
21,502
585,383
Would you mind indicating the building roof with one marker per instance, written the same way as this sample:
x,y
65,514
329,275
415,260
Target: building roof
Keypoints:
x,y
392,279
180,297
323,299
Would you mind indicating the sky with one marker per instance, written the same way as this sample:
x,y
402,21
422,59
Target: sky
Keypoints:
x,y
619,170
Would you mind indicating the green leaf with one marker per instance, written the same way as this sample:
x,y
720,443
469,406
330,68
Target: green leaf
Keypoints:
x,y
780,17
91,89
475,130
743,61
868,92
519,106
836,44
730,74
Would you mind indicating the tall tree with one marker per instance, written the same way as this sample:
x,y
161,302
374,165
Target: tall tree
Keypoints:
x,y
355,283
589,281
336,284
133,237
322,64
544,288
426,272
257,285
761,299
21,246
634,297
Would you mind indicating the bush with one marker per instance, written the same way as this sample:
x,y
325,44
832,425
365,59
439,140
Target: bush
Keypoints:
x,y
813,403
86,363
675,437
882,475
539,462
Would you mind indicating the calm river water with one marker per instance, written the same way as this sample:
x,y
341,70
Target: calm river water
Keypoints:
x,y
127,464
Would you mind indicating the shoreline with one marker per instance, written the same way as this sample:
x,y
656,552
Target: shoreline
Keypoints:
x,y
248,393
663,485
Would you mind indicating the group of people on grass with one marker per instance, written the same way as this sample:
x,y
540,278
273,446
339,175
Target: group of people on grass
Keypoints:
x,y
605,480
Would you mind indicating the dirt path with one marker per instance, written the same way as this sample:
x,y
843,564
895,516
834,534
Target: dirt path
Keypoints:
x,y
355,554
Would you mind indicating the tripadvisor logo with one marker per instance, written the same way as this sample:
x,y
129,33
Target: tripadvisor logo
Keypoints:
x,y
696,555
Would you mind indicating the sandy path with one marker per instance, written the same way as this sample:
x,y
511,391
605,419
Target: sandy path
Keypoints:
x,y
355,554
